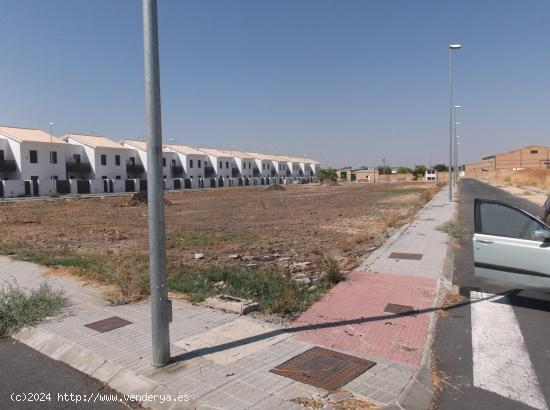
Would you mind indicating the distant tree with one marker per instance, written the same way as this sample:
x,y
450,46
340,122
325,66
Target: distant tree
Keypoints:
x,y
404,170
327,176
441,167
419,171
382,171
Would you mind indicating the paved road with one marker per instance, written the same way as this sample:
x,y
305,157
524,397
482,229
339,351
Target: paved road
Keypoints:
x,y
492,353
24,370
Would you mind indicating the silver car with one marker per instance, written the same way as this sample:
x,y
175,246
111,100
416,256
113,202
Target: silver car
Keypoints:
x,y
511,246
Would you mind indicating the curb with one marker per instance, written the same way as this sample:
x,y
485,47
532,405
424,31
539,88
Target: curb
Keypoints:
x,y
113,375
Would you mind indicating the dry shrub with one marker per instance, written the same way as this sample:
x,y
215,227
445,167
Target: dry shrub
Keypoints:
x,y
392,219
130,283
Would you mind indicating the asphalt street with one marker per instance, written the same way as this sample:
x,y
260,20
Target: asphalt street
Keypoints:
x,y
501,359
30,380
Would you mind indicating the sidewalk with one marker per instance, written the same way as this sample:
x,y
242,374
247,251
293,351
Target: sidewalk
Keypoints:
x,y
223,360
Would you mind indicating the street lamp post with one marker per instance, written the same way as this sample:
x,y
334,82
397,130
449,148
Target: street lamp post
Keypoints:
x,y
456,157
452,47
161,309
455,174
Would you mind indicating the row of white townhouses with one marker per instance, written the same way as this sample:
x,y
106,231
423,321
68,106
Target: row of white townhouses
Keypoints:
x,y
34,163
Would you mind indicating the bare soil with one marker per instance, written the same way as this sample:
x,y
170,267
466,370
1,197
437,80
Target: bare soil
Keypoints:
x,y
249,227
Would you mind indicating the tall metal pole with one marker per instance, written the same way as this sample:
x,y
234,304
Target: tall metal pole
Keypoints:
x,y
160,306
450,124
455,123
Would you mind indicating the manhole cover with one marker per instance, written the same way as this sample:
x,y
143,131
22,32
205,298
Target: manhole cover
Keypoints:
x,y
323,368
405,255
398,309
106,325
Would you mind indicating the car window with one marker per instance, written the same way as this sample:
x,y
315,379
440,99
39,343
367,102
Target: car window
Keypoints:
x,y
502,220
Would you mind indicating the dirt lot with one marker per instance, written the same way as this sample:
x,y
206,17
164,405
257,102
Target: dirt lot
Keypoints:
x,y
253,228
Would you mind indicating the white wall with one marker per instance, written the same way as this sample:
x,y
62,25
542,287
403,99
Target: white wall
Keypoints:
x,y
225,170
42,169
13,188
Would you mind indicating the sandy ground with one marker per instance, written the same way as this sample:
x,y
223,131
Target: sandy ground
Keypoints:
x,y
233,226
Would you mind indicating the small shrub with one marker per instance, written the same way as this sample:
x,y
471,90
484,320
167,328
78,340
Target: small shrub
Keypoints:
x,y
333,272
392,219
452,228
19,308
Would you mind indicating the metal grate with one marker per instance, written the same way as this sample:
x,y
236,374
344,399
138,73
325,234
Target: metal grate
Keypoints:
x,y
398,309
106,325
405,255
323,368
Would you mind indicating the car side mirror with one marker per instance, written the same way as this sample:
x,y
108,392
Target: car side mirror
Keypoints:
x,y
542,235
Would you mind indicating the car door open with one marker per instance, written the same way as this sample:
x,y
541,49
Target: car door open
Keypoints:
x,y
511,246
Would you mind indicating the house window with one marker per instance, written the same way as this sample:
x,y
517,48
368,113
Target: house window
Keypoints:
x,y
76,158
221,165
53,157
190,163
117,177
263,166
103,159
227,165
174,162
132,160
1,155
117,160
33,157
103,177
163,162
199,163
534,151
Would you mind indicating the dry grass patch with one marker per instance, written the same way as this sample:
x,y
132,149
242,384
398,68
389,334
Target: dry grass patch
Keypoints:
x,y
524,177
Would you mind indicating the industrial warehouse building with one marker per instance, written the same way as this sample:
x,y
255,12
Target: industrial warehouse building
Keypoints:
x,y
532,156
34,163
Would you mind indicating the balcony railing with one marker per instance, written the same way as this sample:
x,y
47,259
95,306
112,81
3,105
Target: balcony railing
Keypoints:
x,y
78,167
8,165
209,172
177,171
135,168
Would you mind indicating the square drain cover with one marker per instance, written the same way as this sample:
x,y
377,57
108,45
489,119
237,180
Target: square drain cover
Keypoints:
x,y
404,255
106,325
323,368
398,309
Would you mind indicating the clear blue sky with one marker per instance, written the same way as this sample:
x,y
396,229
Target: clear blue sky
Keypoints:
x,y
346,82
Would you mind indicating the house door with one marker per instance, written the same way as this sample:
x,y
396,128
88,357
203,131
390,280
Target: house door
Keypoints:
x,y
105,185
35,186
111,186
27,188
1,189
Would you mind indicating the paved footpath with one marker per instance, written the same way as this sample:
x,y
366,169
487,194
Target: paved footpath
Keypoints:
x,y
222,360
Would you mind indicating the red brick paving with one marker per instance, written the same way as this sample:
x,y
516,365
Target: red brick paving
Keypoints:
x,y
364,295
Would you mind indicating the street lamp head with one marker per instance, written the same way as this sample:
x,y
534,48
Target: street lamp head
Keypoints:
x,y
51,124
455,46
457,106
458,136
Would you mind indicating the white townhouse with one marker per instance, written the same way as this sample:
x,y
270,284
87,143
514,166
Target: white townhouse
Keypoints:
x,y
265,164
222,162
171,168
193,162
287,167
305,167
245,163
29,154
107,158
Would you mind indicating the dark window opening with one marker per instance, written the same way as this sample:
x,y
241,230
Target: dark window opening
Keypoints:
x,y
117,159
53,157
190,163
199,163
33,157
163,162
534,151
103,159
